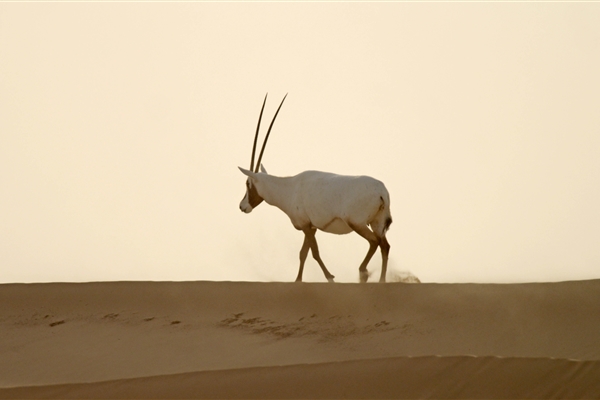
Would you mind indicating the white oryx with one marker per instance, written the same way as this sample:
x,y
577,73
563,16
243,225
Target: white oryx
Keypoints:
x,y
320,200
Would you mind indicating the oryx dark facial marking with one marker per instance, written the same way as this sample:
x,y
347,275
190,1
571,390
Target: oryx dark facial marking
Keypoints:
x,y
251,199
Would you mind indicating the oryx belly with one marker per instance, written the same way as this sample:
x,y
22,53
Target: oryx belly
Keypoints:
x,y
336,226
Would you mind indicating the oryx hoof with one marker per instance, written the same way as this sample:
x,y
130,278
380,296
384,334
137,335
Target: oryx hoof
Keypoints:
x,y
364,276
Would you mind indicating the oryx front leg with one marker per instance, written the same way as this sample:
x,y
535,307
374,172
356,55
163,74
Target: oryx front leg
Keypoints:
x,y
311,242
315,252
303,254
368,234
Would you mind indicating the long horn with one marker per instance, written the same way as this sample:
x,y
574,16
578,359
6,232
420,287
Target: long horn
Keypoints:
x,y
267,136
256,135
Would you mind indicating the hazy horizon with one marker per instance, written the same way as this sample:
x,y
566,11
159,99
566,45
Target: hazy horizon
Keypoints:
x,y
123,124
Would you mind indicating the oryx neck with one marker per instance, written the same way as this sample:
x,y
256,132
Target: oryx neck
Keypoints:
x,y
274,190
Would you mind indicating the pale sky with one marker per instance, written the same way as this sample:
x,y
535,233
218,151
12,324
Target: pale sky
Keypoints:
x,y
122,126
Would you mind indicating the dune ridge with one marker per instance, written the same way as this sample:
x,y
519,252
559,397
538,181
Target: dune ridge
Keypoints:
x,y
116,338
396,377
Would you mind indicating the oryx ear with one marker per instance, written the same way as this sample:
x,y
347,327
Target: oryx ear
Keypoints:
x,y
247,172
263,169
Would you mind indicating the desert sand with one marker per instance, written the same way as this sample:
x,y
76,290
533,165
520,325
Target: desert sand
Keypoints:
x,y
308,340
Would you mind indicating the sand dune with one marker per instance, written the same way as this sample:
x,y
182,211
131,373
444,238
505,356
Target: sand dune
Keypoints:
x,y
239,339
404,377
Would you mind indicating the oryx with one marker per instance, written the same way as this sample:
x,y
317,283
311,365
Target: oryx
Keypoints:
x,y
320,200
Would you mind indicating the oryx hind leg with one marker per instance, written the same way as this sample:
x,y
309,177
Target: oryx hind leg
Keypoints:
x,y
315,252
385,251
368,234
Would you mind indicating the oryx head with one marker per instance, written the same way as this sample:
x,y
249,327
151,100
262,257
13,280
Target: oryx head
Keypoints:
x,y
252,197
